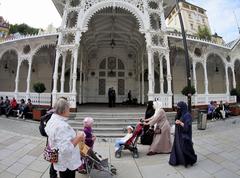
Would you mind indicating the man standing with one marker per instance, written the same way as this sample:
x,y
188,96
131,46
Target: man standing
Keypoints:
x,y
113,97
110,97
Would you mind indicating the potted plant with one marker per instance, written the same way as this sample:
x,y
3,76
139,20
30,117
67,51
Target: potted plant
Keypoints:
x,y
188,90
38,111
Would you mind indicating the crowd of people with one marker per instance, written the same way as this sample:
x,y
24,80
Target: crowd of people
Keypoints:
x,y
61,136
8,107
156,132
218,111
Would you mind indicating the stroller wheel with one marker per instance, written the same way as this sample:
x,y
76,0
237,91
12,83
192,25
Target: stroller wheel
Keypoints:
x,y
117,154
114,172
135,154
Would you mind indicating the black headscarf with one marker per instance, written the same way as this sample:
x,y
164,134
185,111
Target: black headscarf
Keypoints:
x,y
150,110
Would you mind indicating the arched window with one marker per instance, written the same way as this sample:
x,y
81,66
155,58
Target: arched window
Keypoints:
x,y
109,68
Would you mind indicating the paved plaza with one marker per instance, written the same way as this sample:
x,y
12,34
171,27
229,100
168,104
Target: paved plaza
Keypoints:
x,y
218,150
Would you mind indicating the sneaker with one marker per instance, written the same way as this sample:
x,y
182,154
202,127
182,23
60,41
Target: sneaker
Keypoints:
x,y
82,169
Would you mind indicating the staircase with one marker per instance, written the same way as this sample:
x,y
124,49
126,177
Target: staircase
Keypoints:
x,y
110,125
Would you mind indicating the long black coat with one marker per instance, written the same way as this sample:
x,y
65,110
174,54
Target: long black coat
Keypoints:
x,y
182,150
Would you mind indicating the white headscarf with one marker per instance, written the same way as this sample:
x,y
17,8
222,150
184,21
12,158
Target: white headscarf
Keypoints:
x,y
157,105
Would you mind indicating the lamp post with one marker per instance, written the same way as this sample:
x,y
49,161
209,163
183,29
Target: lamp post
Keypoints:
x,y
186,55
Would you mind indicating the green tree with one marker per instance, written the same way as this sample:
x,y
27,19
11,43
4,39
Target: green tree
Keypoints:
x,y
39,88
204,33
23,29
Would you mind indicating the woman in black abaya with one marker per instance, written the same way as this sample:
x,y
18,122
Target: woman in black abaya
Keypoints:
x,y
182,150
147,137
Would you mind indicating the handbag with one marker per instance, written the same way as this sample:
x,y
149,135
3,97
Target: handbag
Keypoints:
x,y
157,130
50,155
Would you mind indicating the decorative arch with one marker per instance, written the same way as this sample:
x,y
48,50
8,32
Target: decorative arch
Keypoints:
x,y
143,23
215,54
8,70
216,72
43,57
9,49
42,45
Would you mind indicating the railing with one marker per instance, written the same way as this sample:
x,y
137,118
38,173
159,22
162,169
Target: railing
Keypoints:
x,y
45,98
20,37
70,97
202,99
164,98
192,37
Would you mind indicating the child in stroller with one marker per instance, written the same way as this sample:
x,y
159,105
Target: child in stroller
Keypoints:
x,y
95,166
131,143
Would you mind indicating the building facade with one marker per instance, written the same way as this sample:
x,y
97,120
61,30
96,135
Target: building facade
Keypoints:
x,y
121,44
194,17
4,28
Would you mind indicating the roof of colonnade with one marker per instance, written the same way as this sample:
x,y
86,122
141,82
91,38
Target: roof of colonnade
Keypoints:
x,y
35,41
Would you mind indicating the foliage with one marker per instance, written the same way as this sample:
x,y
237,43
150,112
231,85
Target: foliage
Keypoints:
x,y
39,87
204,33
23,29
188,90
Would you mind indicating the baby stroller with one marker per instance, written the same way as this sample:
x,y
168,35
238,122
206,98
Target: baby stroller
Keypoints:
x,y
95,166
131,143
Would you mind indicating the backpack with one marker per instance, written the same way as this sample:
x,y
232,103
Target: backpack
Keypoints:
x,y
43,122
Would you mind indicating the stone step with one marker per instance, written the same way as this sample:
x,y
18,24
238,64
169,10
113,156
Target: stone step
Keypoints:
x,y
109,120
100,130
110,125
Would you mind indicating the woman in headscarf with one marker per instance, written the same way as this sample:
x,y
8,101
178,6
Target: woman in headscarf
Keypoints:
x,y
161,138
147,136
182,150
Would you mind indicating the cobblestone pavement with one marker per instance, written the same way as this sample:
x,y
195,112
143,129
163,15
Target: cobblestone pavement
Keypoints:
x,y
217,147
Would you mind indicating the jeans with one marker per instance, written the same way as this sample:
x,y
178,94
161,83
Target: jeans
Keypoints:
x,y
118,144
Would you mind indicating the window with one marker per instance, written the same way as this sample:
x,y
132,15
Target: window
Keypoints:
x,y
189,15
191,26
102,87
121,87
103,64
201,11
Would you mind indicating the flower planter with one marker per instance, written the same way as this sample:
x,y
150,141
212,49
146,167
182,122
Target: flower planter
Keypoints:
x,y
235,110
37,113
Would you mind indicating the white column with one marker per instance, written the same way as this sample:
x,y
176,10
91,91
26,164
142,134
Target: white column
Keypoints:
x,y
71,73
80,85
205,77
227,80
169,77
161,79
150,74
63,71
234,77
17,75
55,75
74,78
194,76
29,75
143,90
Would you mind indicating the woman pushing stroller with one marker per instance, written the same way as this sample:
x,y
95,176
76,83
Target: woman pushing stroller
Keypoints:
x,y
162,137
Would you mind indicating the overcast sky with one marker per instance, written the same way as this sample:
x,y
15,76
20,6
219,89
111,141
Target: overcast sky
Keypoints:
x,y
41,13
